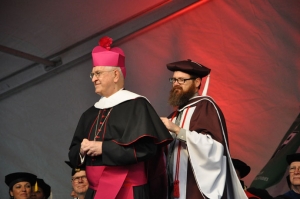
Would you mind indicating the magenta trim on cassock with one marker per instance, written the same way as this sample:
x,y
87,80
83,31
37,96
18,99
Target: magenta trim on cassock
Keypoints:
x,y
116,181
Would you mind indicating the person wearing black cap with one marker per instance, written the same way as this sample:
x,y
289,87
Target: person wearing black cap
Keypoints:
x,y
242,170
80,183
20,184
294,169
43,191
197,163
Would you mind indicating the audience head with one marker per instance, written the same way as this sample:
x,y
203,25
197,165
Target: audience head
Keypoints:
x,y
20,184
80,183
242,169
43,190
293,161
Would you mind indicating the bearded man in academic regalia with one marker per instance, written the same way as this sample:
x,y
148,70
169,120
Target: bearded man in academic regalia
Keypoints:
x,y
119,139
199,164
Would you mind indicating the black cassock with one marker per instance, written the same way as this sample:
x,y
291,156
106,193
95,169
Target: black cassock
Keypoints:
x,y
132,133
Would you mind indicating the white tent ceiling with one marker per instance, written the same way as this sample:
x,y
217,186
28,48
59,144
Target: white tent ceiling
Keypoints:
x,y
252,48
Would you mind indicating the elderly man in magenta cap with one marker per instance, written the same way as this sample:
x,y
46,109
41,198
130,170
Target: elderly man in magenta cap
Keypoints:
x,y
199,163
119,139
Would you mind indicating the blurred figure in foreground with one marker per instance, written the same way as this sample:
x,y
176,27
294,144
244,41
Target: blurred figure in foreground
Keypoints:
x,y
242,170
43,191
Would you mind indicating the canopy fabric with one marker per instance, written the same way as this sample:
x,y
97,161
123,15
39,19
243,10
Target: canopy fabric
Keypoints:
x,y
252,48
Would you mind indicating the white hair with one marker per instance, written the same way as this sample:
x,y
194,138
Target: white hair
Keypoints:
x,y
108,68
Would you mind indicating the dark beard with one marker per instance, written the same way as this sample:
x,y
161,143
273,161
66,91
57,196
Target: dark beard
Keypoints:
x,y
180,98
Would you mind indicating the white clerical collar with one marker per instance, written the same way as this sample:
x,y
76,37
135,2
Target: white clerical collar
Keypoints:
x,y
116,98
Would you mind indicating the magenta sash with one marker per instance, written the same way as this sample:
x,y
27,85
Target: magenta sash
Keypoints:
x,y
116,182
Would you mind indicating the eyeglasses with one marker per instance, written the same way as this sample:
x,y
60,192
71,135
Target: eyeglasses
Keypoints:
x,y
79,178
98,73
179,80
294,169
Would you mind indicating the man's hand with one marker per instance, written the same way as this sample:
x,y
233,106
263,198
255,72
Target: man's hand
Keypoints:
x,y
170,125
91,148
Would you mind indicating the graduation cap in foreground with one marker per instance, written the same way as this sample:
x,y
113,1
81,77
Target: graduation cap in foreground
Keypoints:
x,y
13,178
46,188
293,158
241,166
74,170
